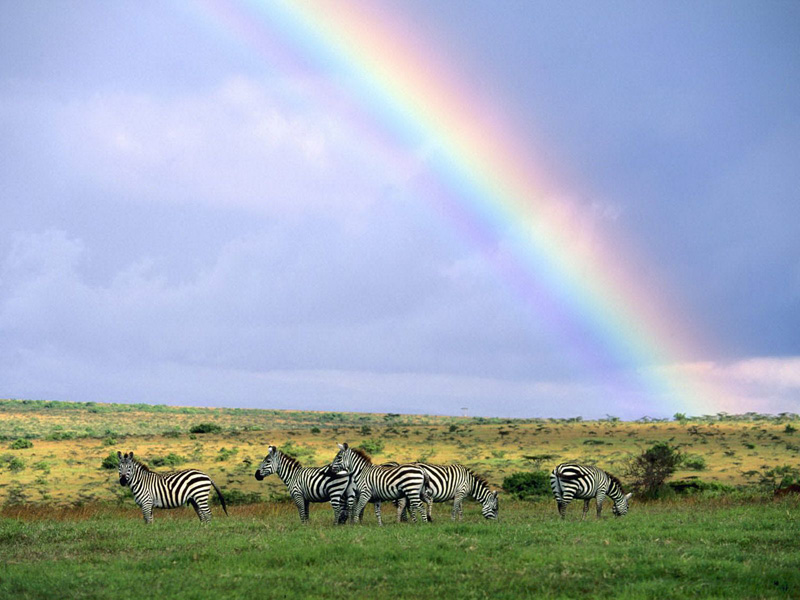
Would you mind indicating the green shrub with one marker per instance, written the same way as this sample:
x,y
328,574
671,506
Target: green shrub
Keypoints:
x,y
110,462
20,444
315,429
697,486
224,454
528,485
233,496
651,469
694,462
372,446
170,460
206,428
15,464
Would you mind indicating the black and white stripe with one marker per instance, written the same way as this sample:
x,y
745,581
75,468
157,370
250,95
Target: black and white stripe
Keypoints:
x,y
457,482
167,490
307,484
585,482
377,483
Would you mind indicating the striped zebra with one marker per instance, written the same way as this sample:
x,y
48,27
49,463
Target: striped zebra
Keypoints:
x,y
456,482
377,484
307,484
167,490
585,482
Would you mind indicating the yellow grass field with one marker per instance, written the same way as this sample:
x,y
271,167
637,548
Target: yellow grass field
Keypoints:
x,y
70,440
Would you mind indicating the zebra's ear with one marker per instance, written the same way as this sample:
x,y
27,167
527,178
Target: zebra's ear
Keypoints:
x,y
119,454
271,450
495,493
628,496
342,447
131,455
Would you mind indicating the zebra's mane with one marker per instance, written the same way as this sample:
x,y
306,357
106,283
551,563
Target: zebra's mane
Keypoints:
x,y
290,459
143,466
616,481
362,454
479,478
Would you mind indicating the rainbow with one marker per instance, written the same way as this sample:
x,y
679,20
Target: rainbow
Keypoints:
x,y
591,289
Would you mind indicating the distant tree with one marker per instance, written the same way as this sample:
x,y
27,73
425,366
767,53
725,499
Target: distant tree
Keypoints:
x,y
651,468
206,428
528,485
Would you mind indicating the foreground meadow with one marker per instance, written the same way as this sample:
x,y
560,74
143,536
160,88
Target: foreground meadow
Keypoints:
x,y
685,549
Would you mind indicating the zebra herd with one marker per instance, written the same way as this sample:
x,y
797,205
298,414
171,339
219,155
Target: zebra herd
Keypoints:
x,y
352,480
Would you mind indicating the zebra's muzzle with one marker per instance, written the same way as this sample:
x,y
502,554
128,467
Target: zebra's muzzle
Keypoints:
x,y
123,481
259,476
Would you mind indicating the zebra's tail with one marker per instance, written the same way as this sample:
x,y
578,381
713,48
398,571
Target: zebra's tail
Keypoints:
x,y
555,484
427,494
221,498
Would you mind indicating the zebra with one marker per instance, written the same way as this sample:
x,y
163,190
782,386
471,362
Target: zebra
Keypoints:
x,y
456,482
307,484
570,481
167,490
376,483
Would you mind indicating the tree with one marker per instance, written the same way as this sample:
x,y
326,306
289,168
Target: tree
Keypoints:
x,y
651,468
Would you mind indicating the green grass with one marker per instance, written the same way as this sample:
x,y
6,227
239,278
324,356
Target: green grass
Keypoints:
x,y
687,549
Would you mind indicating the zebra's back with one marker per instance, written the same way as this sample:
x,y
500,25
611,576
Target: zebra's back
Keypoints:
x,y
569,480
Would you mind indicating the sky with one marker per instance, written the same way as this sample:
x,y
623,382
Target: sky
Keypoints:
x,y
518,209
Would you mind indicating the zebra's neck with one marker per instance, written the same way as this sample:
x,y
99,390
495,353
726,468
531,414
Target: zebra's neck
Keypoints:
x,y
140,477
287,469
614,490
359,464
479,490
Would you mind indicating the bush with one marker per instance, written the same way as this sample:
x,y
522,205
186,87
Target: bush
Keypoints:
x,y
234,496
694,463
372,446
14,463
779,477
698,486
111,461
528,485
170,460
21,443
652,467
206,428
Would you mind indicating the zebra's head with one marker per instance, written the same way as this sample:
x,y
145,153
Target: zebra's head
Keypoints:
x,y
125,467
620,507
490,506
344,460
269,465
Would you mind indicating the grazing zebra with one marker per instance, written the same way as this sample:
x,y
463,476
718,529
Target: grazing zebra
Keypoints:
x,y
376,483
456,482
586,482
167,490
307,484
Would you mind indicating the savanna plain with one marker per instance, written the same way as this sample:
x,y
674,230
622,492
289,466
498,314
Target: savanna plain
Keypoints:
x,y
69,530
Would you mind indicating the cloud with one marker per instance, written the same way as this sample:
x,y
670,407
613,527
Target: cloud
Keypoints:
x,y
241,144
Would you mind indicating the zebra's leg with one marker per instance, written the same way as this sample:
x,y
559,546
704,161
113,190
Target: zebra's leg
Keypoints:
x,y
202,509
401,509
147,513
358,511
302,506
417,506
562,508
600,498
585,508
378,512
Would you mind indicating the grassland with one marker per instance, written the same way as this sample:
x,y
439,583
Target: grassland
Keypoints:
x,y
689,549
68,530
68,442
